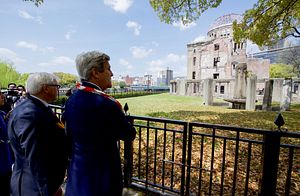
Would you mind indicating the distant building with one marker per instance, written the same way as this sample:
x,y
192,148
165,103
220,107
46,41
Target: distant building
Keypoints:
x,y
164,77
216,57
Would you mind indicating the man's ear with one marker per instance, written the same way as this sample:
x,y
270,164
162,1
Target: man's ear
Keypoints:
x,y
95,73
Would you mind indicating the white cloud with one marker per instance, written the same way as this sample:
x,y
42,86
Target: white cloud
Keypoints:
x,y
27,16
182,26
175,62
135,26
155,43
140,52
34,47
69,33
124,62
119,5
23,44
61,60
10,56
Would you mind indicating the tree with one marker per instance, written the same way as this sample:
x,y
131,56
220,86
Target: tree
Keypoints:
x,y
281,71
122,84
266,23
269,21
292,57
9,74
66,79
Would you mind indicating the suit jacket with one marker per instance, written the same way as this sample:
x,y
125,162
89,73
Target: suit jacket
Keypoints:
x,y
39,145
5,153
95,123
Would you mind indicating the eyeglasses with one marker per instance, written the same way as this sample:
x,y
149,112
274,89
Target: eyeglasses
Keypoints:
x,y
56,85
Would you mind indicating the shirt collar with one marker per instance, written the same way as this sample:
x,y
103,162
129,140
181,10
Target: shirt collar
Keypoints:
x,y
44,102
91,84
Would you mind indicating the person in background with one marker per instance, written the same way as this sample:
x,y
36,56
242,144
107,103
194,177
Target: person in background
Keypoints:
x,y
95,123
5,153
38,140
22,95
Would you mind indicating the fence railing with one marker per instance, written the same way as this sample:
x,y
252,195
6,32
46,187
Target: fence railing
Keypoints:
x,y
181,158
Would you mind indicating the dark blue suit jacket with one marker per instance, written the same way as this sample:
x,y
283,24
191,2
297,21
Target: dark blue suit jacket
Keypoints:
x,y
5,153
40,149
95,123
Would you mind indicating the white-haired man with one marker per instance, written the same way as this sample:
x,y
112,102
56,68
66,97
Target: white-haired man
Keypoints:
x,y
38,140
95,122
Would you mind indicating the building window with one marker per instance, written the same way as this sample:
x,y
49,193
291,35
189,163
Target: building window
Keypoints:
x,y
194,51
216,60
216,76
216,89
194,61
217,46
222,89
194,75
195,88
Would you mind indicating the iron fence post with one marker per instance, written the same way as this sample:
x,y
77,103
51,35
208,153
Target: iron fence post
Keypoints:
x,y
271,152
128,157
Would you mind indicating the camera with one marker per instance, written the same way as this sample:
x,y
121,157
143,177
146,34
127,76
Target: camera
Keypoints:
x,y
12,95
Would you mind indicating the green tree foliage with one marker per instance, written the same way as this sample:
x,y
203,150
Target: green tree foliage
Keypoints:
x,y
182,10
66,79
281,71
122,84
269,21
9,74
292,57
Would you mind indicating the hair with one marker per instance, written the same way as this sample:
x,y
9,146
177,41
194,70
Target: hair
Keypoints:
x,y
86,61
21,86
36,81
12,83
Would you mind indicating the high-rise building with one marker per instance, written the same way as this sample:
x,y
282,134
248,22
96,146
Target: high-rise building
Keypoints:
x,y
164,77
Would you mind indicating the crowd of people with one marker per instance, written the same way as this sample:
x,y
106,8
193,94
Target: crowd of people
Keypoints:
x,y
38,151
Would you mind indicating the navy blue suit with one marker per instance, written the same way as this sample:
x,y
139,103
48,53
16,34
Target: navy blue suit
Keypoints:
x,y
95,123
5,157
40,149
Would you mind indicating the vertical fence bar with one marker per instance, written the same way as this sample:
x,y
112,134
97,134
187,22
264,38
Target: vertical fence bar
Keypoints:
x,y
201,165
223,166
155,156
189,160
164,156
270,163
289,172
140,146
248,168
128,156
183,160
212,160
235,162
173,154
147,154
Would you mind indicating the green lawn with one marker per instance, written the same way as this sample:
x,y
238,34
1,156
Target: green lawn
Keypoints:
x,y
192,109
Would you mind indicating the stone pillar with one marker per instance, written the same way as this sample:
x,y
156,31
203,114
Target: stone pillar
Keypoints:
x,y
240,81
267,100
251,92
286,96
277,89
208,91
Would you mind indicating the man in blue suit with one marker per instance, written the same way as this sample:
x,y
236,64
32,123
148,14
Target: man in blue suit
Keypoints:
x,y
95,122
38,140
5,153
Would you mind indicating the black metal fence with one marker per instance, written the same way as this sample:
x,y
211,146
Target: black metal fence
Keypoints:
x,y
181,158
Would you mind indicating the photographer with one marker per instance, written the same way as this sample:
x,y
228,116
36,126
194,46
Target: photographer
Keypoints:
x,y
12,94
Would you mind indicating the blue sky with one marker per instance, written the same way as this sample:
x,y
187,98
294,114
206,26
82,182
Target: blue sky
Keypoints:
x,y
48,38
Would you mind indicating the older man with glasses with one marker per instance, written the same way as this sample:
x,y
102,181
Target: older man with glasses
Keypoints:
x,y
38,140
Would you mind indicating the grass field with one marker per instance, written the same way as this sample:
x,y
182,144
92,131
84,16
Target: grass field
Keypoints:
x,y
192,109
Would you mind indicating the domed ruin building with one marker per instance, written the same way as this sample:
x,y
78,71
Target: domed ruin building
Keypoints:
x,y
216,57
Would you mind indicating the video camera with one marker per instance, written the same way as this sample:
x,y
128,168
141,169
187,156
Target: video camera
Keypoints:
x,y
12,95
